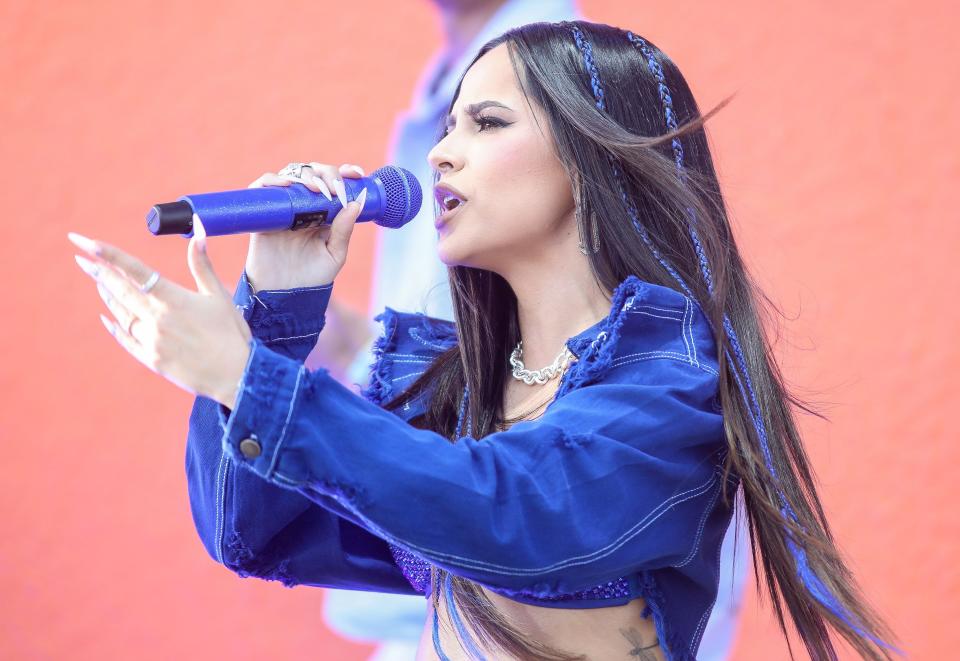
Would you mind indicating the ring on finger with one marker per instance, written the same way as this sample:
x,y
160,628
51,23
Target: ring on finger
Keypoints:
x,y
150,283
293,170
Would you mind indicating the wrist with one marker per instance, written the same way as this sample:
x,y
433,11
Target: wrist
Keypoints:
x,y
261,282
227,390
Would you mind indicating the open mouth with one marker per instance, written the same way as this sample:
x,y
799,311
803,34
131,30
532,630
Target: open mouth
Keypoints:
x,y
450,206
451,203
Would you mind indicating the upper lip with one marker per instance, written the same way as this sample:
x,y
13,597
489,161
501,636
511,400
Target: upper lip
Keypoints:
x,y
442,191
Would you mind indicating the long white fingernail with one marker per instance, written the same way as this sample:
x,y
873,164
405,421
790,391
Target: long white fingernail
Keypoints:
x,y
198,229
357,169
341,191
88,267
361,200
321,184
107,324
104,294
83,243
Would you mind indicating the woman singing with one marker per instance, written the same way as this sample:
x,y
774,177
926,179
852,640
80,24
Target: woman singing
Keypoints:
x,y
556,470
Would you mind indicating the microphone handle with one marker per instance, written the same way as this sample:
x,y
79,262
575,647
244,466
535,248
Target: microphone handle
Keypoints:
x,y
265,209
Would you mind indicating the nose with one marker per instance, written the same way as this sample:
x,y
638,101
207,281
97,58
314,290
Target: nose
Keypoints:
x,y
441,158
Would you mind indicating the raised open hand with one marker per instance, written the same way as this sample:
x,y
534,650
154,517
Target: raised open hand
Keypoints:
x,y
198,340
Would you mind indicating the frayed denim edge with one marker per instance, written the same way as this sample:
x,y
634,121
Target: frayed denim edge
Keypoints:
x,y
670,640
380,389
595,358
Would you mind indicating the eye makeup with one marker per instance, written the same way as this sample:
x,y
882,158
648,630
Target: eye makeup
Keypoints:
x,y
473,111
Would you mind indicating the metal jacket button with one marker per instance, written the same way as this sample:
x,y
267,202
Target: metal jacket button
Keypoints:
x,y
250,448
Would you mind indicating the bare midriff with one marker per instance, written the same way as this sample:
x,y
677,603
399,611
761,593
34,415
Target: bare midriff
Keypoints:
x,y
617,632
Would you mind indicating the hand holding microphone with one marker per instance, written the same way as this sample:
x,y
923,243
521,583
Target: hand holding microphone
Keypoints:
x,y
311,255
294,242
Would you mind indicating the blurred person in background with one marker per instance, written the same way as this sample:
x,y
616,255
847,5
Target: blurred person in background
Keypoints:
x,y
396,621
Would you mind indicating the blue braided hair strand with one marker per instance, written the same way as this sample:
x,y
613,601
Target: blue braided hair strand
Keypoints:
x,y
741,374
452,611
587,51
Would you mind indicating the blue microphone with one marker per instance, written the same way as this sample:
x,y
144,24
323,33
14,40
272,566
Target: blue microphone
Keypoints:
x,y
393,199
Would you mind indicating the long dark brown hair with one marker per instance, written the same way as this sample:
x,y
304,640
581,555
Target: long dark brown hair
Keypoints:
x,y
637,155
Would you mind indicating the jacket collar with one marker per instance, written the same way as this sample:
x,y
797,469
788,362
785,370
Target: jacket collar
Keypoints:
x,y
594,345
608,329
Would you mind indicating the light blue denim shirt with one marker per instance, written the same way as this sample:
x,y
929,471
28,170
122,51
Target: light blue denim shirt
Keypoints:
x,y
307,482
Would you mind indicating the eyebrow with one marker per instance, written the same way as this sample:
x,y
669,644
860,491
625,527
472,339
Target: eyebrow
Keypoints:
x,y
475,108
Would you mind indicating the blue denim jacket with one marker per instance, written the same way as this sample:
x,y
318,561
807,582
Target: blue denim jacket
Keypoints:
x,y
618,480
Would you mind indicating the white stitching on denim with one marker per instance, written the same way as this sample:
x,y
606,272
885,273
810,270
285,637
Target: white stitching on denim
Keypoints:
x,y
243,389
698,537
220,514
610,548
655,307
280,477
283,431
703,618
292,337
503,569
693,340
424,359
683,328
595,555
414,332
650,314
254,296
664,354
679,357
405,376
226,434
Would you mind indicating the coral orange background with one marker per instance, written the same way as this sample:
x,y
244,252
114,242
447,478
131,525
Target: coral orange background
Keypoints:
x,y
837,157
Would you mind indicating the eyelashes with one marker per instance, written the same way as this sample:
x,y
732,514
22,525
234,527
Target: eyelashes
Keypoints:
x,y
483,122
488,122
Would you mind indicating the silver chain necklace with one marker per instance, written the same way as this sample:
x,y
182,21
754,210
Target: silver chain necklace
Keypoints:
x,y
541,376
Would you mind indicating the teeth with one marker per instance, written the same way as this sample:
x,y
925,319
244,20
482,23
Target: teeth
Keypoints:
x,y
451,202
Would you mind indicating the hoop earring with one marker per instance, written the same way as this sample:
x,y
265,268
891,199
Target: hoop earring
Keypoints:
x,y
595,230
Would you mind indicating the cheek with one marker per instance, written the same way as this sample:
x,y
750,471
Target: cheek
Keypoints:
x,y
523,187
521,197
503,229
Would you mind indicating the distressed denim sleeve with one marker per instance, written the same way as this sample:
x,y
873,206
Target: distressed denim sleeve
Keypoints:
x,y
615,477
259,529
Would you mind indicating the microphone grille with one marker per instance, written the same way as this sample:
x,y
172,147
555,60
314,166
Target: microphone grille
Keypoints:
x,y
403,194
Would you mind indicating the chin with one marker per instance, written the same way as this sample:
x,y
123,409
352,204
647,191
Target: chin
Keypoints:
x,y
453,253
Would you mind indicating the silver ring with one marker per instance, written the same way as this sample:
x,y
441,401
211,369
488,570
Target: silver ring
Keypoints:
x,y
293,170
150,283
